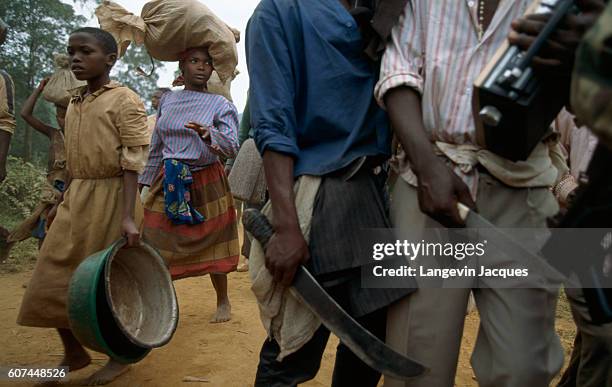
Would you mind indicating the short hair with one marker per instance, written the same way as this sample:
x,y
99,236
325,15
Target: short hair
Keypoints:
x,y
106,40
163,89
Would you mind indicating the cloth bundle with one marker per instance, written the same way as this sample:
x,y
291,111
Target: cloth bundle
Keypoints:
x,y
57,89
169,27
246,179
216,86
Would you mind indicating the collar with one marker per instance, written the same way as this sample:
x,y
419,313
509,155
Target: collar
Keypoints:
x,y
77,94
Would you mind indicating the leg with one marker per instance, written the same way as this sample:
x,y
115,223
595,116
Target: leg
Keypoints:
x,y
349,370
111,371
517,344
294,369
224,308
427,325
591,362
75,356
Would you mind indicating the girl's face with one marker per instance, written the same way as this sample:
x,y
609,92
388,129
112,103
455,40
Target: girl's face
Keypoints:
x,y
197,68
88,59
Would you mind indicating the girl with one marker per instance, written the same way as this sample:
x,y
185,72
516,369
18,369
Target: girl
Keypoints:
x,y
189,212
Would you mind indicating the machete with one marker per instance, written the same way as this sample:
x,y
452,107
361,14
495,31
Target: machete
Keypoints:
x,y
369,348
507,244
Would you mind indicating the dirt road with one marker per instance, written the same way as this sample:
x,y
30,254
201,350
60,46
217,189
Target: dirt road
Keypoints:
x,y
224,354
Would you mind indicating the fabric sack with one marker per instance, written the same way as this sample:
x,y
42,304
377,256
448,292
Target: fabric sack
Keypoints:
x,y
169,27
246,179
57,89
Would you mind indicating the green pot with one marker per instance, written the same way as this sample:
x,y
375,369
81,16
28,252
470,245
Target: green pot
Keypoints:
x,y
89,313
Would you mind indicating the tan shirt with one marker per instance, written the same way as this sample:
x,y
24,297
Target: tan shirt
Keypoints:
x,y
7,103
106,133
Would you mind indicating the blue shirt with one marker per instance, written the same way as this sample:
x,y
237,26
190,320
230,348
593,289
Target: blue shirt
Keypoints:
x,y
311,91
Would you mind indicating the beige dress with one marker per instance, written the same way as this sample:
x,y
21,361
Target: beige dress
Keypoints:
x,y
106,133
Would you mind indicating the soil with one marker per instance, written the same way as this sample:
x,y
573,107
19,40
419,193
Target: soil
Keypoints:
x,y
222,354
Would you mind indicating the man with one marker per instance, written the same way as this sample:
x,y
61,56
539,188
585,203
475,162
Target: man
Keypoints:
x,y
435,54
7,109
591,359
315,120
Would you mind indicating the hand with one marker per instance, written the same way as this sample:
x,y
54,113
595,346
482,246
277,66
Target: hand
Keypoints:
x,y
130,232
559,52
439,191
285,251
51,215
202,130
43,84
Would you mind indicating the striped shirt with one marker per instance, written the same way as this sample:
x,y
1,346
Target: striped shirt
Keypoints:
x,y
435,49
172,140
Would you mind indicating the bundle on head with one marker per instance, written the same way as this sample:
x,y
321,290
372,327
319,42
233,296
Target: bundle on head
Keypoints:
x,y
169,27
58,88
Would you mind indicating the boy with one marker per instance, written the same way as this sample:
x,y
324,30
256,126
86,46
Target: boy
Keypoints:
x,y
98,205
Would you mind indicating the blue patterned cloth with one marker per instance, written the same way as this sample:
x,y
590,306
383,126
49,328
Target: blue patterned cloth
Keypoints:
x,y
177,179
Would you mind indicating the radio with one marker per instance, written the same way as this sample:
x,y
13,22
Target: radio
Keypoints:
x,y
513,107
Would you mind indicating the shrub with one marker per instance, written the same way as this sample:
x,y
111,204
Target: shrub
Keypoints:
x,y
20,192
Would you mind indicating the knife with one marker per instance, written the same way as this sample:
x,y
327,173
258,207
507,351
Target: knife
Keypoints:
x,y
508,245
369,348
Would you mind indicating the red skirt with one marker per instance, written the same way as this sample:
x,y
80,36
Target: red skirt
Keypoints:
x,y
195,250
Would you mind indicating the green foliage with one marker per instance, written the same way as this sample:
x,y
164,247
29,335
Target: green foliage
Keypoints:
x,y
126,73
37,30
20,192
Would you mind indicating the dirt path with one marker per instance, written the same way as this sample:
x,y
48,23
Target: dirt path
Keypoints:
x,y
225,354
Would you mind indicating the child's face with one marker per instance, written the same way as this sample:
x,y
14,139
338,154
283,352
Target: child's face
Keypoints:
x,y
155,99
197,68
88,59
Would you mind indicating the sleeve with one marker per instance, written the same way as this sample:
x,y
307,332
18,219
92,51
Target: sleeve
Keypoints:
x,y
7,103
402,63
224,133
133,127
272,88
134,158
154,163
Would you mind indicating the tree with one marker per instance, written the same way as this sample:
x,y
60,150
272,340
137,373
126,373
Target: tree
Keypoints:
x,y
38,29
125,71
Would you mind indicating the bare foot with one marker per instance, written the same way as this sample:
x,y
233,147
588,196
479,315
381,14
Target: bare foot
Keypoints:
x,y
223,313
76,360
111,371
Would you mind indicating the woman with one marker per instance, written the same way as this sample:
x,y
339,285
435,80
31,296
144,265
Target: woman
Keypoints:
x,y
189,211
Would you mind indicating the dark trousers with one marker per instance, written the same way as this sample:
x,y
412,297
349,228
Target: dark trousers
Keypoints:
x,y
304,364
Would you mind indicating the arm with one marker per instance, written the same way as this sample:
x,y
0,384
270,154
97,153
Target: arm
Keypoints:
x,y
130,230
272,113
439,189
5,142
154,162
28,109
133,131
224,135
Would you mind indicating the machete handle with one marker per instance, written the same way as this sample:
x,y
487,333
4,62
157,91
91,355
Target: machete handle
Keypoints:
x,y
257,225
464,210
